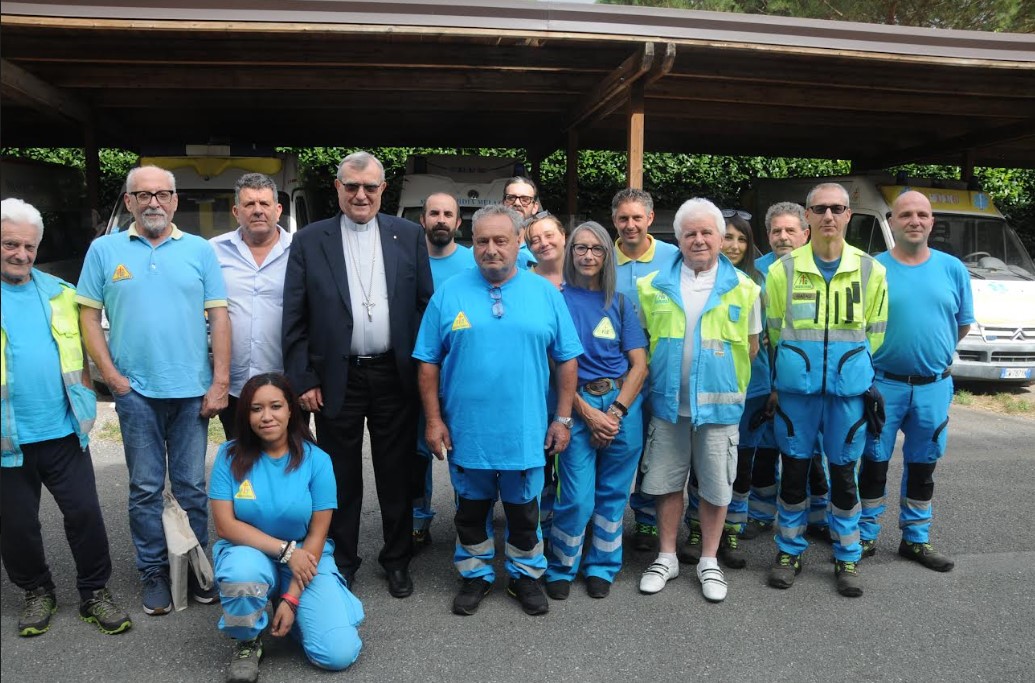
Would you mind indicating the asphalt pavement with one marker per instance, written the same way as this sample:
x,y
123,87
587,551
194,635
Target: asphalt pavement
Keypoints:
x,y
976,623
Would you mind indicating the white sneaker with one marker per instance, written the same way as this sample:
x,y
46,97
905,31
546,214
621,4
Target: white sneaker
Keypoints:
x,y
657,575
713,583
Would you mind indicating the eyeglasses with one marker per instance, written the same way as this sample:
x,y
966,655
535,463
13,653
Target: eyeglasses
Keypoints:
x,y
496,294
836,209
523,200
353,188
144,197
583,249
730,213
539,215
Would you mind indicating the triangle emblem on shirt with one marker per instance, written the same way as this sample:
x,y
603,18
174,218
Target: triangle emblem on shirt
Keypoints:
x,y
460,322
604,329
121,273
245,492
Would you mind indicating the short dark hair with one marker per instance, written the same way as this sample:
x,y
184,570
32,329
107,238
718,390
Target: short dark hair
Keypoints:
x,y
631,194
254,181
522,180
245,450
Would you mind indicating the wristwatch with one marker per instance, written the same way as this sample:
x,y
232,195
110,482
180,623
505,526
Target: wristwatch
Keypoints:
x,y
566,421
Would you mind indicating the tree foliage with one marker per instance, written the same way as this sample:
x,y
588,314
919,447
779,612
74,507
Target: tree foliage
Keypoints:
x,y
1016,16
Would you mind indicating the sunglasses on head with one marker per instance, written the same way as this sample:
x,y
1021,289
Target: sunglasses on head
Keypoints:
x,y
730,213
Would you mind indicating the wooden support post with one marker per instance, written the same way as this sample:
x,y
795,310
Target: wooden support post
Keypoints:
x,y
634,172
572,176
967,167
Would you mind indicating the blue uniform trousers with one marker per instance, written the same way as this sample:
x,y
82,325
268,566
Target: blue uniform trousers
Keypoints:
x,y
476,492
922,414
594,485
422,511
642,504
799,421
328,614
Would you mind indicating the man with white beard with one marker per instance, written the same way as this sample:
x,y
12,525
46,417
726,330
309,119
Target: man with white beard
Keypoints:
x,y
157,284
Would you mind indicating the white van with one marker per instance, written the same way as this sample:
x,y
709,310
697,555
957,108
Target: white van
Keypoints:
x,y
1001,344
475,181
205,179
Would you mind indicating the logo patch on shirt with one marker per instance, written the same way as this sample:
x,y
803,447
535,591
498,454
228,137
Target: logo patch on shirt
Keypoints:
x,y
460,322
661,298
604,329
121,273
245,492
802,281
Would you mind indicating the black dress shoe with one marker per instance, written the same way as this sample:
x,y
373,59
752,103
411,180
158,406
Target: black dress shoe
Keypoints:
x,y
399,583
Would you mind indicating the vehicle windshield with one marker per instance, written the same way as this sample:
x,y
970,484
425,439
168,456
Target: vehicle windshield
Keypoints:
x,y
200,212
989,247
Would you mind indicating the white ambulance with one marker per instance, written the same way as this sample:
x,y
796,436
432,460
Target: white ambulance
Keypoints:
x,y
475,181
1001,344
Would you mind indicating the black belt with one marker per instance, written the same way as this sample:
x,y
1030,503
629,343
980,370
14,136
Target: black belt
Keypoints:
x,y
375,359
599,387
916,380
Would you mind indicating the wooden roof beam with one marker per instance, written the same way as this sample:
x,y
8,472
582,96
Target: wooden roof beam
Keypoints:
x,y
614,85
958,145
19,84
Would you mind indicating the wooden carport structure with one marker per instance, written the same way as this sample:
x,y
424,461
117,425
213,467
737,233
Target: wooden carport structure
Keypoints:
x,y
536,75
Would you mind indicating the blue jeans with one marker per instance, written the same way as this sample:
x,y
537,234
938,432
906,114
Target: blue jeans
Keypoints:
x,y
154,429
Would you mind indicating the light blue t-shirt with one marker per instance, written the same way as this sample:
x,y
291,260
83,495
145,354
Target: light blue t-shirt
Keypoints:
x,y
37,392
155,298
445,267
926,306
273,500
606,335
495,371
525,258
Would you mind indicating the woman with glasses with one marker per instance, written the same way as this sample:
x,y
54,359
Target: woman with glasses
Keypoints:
x,y
595,472
545,236
756,431
272,492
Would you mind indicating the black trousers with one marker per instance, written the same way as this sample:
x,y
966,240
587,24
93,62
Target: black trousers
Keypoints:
x,y
374,397
228,417
67,472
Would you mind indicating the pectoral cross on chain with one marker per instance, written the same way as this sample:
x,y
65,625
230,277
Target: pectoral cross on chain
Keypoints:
x,y
369,305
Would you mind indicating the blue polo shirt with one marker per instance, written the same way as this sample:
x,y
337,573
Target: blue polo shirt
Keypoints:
x,y
155,299
495,372
630,270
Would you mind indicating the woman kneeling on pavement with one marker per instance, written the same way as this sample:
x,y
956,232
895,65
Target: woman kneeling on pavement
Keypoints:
x,y
273,493
596,470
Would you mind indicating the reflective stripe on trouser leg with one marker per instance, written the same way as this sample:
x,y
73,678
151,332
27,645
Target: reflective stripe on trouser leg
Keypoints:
x,y
792,506
616,467
519,491
475,549
737,510
844,512
762,500
575,470
873,477
914,516
244,577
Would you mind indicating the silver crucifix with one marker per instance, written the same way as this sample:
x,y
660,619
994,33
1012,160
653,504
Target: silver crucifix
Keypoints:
x,y
370,313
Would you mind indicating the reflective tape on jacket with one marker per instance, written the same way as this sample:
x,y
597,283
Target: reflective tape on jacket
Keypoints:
x,y
58,298
721,366
824,334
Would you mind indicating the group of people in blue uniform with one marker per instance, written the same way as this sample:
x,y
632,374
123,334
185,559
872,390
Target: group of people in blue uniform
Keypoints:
x,y
769,390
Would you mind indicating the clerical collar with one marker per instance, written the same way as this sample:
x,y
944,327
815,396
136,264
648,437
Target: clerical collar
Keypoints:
x,y
347,222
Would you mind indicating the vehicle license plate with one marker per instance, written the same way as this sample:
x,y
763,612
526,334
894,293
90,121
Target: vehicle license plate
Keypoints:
x,y
1015,373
